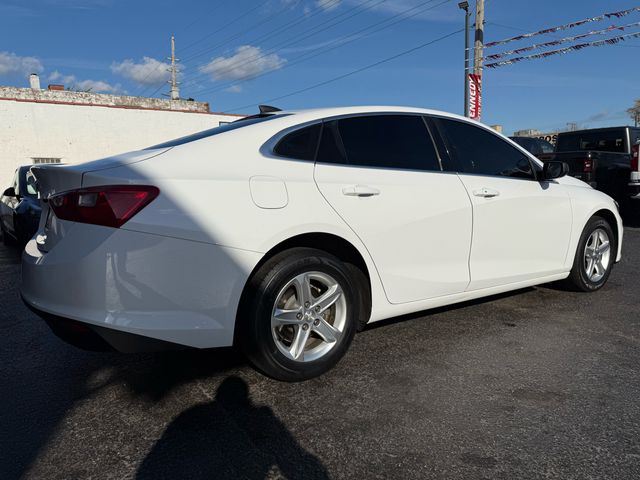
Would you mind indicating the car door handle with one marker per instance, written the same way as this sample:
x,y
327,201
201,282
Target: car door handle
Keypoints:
x,y
486,193
360,191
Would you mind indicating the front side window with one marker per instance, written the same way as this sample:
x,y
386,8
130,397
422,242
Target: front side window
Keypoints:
x,y
480,152
300,144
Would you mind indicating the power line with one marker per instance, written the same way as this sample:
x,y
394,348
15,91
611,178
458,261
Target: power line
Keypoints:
x,y
354,72
226,25
337,44
287,43
239,34
285,27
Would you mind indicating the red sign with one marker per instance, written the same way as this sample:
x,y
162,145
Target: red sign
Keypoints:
x,y
475,96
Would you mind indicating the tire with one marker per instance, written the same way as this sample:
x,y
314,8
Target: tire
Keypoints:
x,y
304,342
588,277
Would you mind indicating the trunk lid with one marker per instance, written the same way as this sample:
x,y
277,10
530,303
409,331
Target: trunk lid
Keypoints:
x,y
54,179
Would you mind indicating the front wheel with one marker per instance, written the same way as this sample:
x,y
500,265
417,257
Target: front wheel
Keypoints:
x,y
595,256
301,314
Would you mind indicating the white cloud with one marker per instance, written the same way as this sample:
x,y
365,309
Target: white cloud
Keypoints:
x,y
234,89
10,63
73,83
328,4
149,71
247,62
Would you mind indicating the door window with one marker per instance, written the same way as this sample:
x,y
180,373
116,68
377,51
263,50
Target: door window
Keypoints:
x,y
380,141
480,152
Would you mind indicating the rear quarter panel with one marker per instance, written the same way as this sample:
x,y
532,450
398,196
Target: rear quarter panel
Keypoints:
x,y
205,196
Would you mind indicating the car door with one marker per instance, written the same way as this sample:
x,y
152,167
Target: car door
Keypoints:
x,y
521,226
381,173
9,205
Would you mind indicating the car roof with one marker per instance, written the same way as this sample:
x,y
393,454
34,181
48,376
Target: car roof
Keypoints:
x,y
603,129
352,110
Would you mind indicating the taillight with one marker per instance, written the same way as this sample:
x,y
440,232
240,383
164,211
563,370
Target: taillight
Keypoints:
x,y
587,165
635,151
110,205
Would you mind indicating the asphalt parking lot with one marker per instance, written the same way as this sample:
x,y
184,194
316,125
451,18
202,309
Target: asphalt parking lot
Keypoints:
x,y
540,383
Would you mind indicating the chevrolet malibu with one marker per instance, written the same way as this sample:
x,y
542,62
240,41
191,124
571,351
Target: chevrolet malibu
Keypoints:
x,y
286,232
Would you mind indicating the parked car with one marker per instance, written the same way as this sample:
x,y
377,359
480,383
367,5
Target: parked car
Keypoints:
x,y
605,158
287,232
535,146
20,208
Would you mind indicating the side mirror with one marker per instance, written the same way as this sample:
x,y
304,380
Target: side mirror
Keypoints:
x,y
555,169
10,192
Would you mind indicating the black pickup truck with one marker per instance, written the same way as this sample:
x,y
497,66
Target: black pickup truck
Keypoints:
x,y
605,158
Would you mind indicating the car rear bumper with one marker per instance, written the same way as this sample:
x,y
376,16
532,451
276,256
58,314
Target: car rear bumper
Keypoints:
x,y
123,284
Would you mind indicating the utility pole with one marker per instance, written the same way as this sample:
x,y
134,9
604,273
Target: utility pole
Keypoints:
x,y
465,6
479,39
175,90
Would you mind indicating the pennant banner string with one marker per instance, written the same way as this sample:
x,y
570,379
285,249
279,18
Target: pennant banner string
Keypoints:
x,y
560,41
562,51
599,18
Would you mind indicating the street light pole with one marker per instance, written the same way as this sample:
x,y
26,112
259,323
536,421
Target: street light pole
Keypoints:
x,y
465,6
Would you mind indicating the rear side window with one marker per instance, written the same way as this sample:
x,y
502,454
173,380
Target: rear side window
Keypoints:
x,y
301,144
480,152
380,141
388,141
330,149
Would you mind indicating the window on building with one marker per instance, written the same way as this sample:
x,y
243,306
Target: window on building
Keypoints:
x,y
38,160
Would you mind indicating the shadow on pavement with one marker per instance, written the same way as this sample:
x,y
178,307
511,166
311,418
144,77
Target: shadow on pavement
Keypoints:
x,y
229,438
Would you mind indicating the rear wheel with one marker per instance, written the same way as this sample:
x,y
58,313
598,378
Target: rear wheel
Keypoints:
x,y
595,256
301,315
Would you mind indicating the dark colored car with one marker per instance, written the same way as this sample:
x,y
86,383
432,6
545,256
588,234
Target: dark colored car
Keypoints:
x,y
20,208
605,158
535,146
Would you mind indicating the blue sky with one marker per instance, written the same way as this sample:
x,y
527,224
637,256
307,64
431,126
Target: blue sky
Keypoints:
x,y
119,46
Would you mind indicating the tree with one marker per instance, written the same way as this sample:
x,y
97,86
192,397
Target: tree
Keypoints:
x,y
634,112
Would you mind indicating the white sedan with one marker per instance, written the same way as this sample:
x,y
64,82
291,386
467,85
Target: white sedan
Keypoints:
x,y
286,232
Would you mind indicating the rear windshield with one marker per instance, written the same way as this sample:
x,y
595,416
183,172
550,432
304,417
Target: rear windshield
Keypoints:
x,y
599,141
243,122
27,186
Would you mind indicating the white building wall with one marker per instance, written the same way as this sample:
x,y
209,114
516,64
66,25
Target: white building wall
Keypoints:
x,y
79,133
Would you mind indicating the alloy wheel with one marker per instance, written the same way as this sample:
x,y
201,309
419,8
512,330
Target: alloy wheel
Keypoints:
x,y
309,316
597,255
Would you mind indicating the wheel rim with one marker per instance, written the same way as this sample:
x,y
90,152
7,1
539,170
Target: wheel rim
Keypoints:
x,y
309,316
597,254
